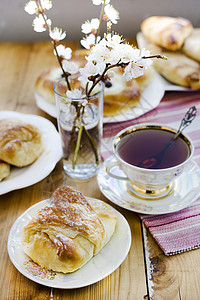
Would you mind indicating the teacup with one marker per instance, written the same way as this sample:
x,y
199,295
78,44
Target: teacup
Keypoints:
x,y
137,146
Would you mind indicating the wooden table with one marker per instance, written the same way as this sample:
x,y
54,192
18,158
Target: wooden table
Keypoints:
x,y
176,277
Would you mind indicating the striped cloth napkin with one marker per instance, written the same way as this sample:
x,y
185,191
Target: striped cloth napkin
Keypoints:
x,y
180,231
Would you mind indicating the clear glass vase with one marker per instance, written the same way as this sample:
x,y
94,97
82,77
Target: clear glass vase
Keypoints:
x,y
80,124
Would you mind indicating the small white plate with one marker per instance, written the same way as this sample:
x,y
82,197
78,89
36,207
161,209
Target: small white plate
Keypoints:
x,y
186,191
26,176
101,265
150,99
168,86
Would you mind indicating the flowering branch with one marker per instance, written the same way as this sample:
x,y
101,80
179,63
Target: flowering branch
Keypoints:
x,y
60,63
100,20
105,54
41,23
97,78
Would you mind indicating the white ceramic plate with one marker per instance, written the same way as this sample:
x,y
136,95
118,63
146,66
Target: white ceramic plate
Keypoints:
x,y
150,99
101,265
186,191
26,176
168,86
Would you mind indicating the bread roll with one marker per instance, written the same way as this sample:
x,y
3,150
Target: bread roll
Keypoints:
x,y
191,45
20,143
167,32
69,231
4,170
178,68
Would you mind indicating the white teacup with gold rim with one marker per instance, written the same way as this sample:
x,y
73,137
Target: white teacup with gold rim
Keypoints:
x,y
150,166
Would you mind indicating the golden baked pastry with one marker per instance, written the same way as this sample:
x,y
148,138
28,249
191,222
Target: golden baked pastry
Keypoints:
x,y
178,68
167,32
191,45
123,95
4,170
45,83
20,143
69,231
119,96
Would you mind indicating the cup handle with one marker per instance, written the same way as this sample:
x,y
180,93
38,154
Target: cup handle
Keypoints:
x,y
110,166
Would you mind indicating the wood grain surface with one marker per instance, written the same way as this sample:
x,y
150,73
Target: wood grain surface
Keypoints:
x,y
176,277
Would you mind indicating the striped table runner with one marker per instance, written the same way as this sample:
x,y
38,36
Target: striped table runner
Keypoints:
x,y
180,231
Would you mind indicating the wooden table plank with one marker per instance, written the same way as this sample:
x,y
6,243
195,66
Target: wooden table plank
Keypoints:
x,y
176,277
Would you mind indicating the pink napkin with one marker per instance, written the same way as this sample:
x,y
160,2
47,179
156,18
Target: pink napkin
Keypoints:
x,y
180,231
176,232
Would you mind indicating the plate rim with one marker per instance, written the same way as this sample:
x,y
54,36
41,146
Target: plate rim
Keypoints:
x,y
40,281
109,197
57,151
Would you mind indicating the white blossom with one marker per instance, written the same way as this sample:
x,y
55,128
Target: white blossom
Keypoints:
x,y
31,7
111,13
132,71
70,67
139,59
136,68
56,34
145,62
99,53
89,41
75,94
91,69
129,53
89,26
98,2
63,52
46,4
114,43
106,51
39,23
113,40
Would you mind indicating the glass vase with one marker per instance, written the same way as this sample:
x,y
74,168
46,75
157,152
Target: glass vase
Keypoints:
x,y
80,124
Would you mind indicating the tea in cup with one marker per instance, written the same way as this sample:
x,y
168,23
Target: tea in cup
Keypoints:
x,y
149,165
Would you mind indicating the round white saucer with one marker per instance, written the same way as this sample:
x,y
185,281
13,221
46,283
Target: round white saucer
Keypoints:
x,y
186,190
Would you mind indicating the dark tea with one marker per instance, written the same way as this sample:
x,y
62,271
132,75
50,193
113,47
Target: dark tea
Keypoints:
x,y
142,144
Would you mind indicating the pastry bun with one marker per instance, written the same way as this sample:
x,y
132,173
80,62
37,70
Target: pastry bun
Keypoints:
x,y
20,143
167,32
191,45
4,170
69,231
178,68
123,95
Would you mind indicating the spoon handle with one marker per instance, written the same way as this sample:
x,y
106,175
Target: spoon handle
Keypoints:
x,y
187,120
